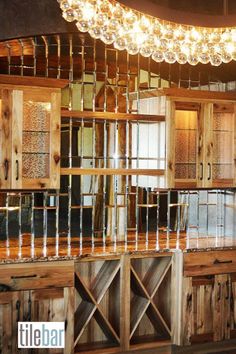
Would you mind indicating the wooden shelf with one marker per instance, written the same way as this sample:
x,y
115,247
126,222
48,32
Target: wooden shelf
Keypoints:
x,y
76,171
111,116
17,80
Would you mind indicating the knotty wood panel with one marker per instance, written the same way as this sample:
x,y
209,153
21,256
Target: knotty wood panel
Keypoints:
x,y
212,262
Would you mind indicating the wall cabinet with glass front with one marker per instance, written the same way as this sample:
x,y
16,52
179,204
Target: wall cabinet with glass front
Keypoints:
x,y
30,132
200,141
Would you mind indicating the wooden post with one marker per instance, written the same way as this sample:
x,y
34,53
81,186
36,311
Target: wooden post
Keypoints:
x,y
69,299
177,298
125,303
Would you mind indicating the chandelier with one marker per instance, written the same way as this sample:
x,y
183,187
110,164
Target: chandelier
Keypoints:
x,y
136,32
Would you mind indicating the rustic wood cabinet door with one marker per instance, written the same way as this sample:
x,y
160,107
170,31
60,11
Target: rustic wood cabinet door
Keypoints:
x,y
10,314
35,139
198,312
233,305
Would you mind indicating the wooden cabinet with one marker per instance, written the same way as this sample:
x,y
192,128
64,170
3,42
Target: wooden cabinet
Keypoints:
x,y
200,139
30,132
40,292
208,302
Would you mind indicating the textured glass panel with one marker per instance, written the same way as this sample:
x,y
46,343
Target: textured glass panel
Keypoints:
x,y
223,147
35,165
35,142
222,172
185,148
36,116
223,121
183,171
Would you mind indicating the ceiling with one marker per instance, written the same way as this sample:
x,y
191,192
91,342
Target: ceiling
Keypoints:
x,y
25,18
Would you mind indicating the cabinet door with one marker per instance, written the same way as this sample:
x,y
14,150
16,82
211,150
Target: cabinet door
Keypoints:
x,y
222,169
198,311
10,314
47,305
36,138
233,305
183,144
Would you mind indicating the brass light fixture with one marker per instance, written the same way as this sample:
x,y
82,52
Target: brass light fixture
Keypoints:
x,y
136,32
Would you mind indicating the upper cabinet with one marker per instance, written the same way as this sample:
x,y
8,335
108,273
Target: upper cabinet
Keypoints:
x,y
200,133
30,132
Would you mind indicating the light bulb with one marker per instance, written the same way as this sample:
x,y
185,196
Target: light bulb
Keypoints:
x,y
204,58
108,37
120,43
181,58
226,57
117,12
146,51
83,26
132,48
216,60
170,57
158,56
69,15
179,33
95,32
88,11
193,59
226,36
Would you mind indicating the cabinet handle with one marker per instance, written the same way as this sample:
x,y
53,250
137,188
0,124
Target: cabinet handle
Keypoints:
x,y
17,170
219,292
227,290
6,168
217,261
201,174
23,276
209,173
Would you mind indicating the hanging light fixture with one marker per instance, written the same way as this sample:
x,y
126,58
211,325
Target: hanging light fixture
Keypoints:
x,y
128,29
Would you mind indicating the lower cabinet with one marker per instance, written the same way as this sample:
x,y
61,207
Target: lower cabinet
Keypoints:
x,y
208,300
41,292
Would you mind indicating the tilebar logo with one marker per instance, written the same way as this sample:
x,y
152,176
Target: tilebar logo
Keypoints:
x,y
41,334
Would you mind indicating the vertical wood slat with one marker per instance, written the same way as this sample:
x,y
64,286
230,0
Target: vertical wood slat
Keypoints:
x,y
55,120
6,138
17,127
177,298
187,311
69,310
207,144
125,303
170,144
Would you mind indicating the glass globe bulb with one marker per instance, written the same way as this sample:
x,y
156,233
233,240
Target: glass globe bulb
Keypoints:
x,y
215,37
226,36
64,5
132,48
179,33
95,32
108,37
130,18
69,15
146,51
117,12
181,58
170,57
226,57
215,60
83,26
120,43
204,58
158,56
156,28
193,59
168,32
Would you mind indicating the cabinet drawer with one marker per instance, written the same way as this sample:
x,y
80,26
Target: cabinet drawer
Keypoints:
x,y
212,262
36,275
